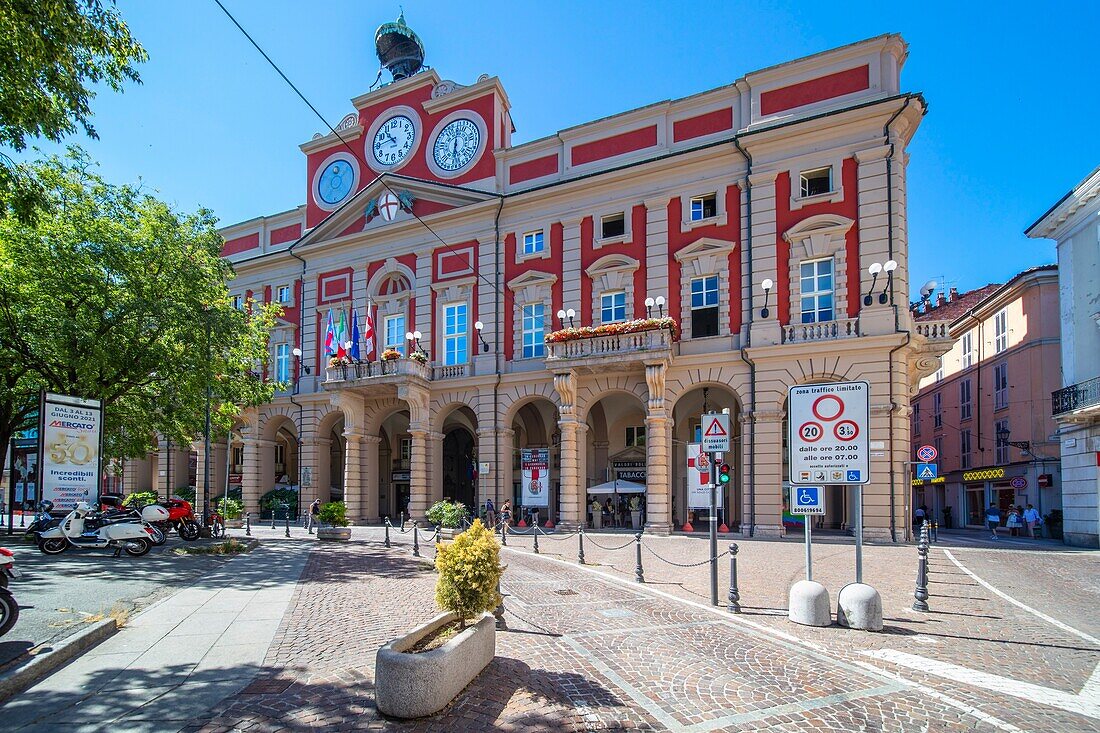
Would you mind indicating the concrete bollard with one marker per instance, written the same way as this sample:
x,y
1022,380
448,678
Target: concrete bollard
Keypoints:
x,y
638,576
734,595
580,547
859,606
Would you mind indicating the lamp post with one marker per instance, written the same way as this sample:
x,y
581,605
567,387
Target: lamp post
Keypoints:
x,y
659,301
414,337
563,314
875,269
479,326
297,351
766,286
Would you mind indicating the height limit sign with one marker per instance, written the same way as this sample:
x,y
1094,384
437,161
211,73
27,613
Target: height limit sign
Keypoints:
x,y
828,433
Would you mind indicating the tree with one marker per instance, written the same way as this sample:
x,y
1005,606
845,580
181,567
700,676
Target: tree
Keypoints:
x,y
111,294
51,51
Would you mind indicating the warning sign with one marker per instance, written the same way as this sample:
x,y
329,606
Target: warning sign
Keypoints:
x,y
716,433
828,433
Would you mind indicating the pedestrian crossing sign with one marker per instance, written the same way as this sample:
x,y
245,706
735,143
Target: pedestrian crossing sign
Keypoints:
x,y
927,471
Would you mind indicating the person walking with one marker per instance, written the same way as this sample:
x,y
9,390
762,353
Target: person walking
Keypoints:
x,y
919,516
314,518
506,513
1032,519
993,519
1014,521
490,514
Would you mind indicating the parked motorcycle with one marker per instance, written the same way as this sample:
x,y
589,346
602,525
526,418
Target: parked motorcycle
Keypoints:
x,y
9,609
129,514
135,537
181,517
43,520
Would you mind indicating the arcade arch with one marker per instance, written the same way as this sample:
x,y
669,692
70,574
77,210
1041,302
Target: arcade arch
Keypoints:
x,y
687,412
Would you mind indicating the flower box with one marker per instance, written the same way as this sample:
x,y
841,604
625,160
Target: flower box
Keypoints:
x,y
612,329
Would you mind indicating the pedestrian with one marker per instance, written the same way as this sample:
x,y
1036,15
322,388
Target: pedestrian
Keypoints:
x,y
1031,517
920,515
1014,521
609,510
993,519
490,513
505,513
314,515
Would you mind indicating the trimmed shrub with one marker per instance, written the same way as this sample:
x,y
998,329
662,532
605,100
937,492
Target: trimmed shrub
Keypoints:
x,y
447,514
469,571
334,514
140,499
229,508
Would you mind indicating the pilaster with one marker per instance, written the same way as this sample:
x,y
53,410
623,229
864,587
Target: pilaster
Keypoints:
x,y
353,476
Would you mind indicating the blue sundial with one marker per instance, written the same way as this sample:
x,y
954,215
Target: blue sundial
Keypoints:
x,y
335,182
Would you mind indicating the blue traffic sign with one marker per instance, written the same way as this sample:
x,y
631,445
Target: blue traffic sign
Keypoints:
x,y
808,500
926,471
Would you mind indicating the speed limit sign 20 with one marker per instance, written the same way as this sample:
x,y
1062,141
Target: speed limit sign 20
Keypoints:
x,y
827,437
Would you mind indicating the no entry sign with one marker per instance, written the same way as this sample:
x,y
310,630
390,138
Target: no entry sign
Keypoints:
x,y
827,433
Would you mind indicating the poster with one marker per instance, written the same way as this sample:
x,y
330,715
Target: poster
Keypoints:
x,y
70,429
698,483
24,472
535,467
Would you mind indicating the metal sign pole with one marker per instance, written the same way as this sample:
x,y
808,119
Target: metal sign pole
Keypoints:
x,y
859,532
715,459
809,559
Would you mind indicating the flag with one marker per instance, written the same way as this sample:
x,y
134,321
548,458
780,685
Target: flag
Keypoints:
x,y
342,336
330,336
355,334
368,332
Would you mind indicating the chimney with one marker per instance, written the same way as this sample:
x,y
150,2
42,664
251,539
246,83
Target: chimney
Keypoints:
x,y
953,295
940,299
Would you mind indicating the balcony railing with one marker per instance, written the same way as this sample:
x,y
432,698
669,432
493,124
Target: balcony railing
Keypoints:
x,y
377,369
933,329
617,348
450,371
830,330
1077,397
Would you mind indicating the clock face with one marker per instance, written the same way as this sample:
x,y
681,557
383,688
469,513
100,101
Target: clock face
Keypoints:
x,y
456,145
336,182
394,140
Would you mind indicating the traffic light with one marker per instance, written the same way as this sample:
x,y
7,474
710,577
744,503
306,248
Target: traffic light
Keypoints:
x,y
724,473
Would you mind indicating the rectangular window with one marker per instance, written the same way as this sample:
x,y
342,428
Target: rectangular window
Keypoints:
x,y
965,401
916,418
816,181
613,307
1000,331
704,207
532,242
938,376
816,279
238,459
967,345
635,437
937,443
534,330
704,306
280,457
455,349
406,449
964,447
282,294
613,226
937,410
1000,386
238,301
1001,454
282,363
394,330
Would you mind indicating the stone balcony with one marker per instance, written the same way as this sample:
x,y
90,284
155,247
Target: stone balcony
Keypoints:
x,y
1079,401
844,328
378,377
934,330
616,352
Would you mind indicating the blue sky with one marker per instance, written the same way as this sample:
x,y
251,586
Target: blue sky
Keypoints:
x,y
1011,92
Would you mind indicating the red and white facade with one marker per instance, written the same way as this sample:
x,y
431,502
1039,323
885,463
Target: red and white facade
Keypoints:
x,y
794,174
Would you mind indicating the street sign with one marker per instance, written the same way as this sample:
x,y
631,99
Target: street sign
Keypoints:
x,y
1019,482
716,433
827,433
808,500
927,453
927,471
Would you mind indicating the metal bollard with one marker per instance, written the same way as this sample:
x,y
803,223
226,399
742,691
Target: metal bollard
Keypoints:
x,y
920,595
387,531
536,528
416,541
248,524
286,522
504,534
734,595
935,531
580,548
273,517
402,521
638,576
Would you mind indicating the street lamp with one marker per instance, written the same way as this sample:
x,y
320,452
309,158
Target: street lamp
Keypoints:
x,y
563,314
659,301
415,337
479,326
1002,436
301,365
766,286
875,268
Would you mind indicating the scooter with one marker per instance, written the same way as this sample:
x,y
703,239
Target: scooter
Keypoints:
x,y
134,537
9,609
43,520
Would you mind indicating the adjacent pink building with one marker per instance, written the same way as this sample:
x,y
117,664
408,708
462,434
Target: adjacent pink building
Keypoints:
x,y
987,409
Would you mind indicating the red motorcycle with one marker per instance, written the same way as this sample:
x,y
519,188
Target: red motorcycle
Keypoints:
x,y
181,517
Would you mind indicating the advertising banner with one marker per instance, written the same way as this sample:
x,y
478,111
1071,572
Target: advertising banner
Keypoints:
x,y
24,473
698,482
535,467
70,430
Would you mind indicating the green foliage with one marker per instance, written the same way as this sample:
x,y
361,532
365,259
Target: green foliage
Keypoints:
x,y
187,493
333,514
140,498
469,571
229,508
51,53
278,498
447,514
113,294
635,504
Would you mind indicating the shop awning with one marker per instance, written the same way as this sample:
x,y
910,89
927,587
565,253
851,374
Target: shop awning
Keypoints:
x,y
617,487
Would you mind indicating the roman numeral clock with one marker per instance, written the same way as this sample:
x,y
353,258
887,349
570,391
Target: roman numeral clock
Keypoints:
x,y
457,144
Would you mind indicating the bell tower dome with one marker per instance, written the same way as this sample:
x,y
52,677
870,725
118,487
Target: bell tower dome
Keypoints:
x,y
399,49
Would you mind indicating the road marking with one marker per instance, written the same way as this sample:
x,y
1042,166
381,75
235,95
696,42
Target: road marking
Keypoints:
x,y
1088,705
1053,621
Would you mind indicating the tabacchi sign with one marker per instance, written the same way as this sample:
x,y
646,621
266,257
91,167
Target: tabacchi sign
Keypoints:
x,y
69,433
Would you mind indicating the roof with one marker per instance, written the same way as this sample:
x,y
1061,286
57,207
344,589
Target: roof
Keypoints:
x,y
1078,189
963,302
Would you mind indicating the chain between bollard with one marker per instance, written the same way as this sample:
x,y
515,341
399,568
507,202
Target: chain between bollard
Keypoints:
x,y
679,564
920,595
638,576
387,531
416,540
734,594
248,524
580,547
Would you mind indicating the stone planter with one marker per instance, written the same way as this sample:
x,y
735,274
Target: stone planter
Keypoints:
x,y
636,519
334,533
597,520
234,523
415,685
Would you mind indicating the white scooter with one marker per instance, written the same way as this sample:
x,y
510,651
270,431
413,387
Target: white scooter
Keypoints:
x,y
134,537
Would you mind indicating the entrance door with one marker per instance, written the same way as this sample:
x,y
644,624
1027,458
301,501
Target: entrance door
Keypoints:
x,y
458,468
975,506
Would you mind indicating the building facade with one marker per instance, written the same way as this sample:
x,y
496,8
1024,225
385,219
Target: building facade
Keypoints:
x,y
1074,223
989,397
420,209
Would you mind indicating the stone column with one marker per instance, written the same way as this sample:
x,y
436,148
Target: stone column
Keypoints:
x,y
658,452
251,481
353,483
768,495
572,472
435,467
371,510
419,491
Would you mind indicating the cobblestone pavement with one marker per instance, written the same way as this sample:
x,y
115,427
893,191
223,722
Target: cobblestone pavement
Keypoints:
x,y
585,651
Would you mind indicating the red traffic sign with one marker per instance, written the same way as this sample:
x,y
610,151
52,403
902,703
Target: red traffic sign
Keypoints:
x,y
927,453
716,433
